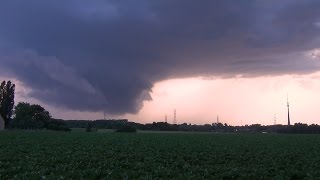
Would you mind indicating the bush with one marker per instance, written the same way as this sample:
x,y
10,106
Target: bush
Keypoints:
x,y
89,128
130,129
57,125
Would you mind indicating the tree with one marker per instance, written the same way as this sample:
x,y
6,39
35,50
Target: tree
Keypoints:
x,y
6,101
89,127
34,116
30,116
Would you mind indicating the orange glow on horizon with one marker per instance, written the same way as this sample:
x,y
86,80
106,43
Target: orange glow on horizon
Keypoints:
x,y
237,101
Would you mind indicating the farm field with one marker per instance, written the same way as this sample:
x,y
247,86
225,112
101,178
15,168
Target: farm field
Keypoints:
x,y
80,155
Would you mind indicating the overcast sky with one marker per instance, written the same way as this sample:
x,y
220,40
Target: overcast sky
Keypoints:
x,y
141,59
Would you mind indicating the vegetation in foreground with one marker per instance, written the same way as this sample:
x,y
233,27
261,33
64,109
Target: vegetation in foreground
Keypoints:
x,y
80,155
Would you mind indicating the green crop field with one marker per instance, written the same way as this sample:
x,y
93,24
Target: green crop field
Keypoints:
x,y
80,155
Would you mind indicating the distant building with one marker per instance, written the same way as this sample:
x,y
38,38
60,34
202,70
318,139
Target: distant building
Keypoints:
x,y
1,123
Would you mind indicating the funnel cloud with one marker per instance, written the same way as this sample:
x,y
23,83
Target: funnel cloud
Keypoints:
x,y
106,55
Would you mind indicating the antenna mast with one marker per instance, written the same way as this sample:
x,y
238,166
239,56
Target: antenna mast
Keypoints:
x,y
174,116
288,110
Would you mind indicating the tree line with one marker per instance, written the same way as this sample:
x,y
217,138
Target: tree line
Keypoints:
x,y
33,116
124,124
25,115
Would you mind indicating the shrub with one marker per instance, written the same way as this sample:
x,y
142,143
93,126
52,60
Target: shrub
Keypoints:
x,y
130,129
89,128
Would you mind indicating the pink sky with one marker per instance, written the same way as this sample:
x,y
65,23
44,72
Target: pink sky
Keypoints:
x,y
236,100
107,56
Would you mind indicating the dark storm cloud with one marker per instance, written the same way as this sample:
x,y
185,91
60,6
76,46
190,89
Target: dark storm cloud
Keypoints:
x,y
100,54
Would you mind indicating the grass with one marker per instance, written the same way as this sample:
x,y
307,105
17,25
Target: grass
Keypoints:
x,y
80,155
